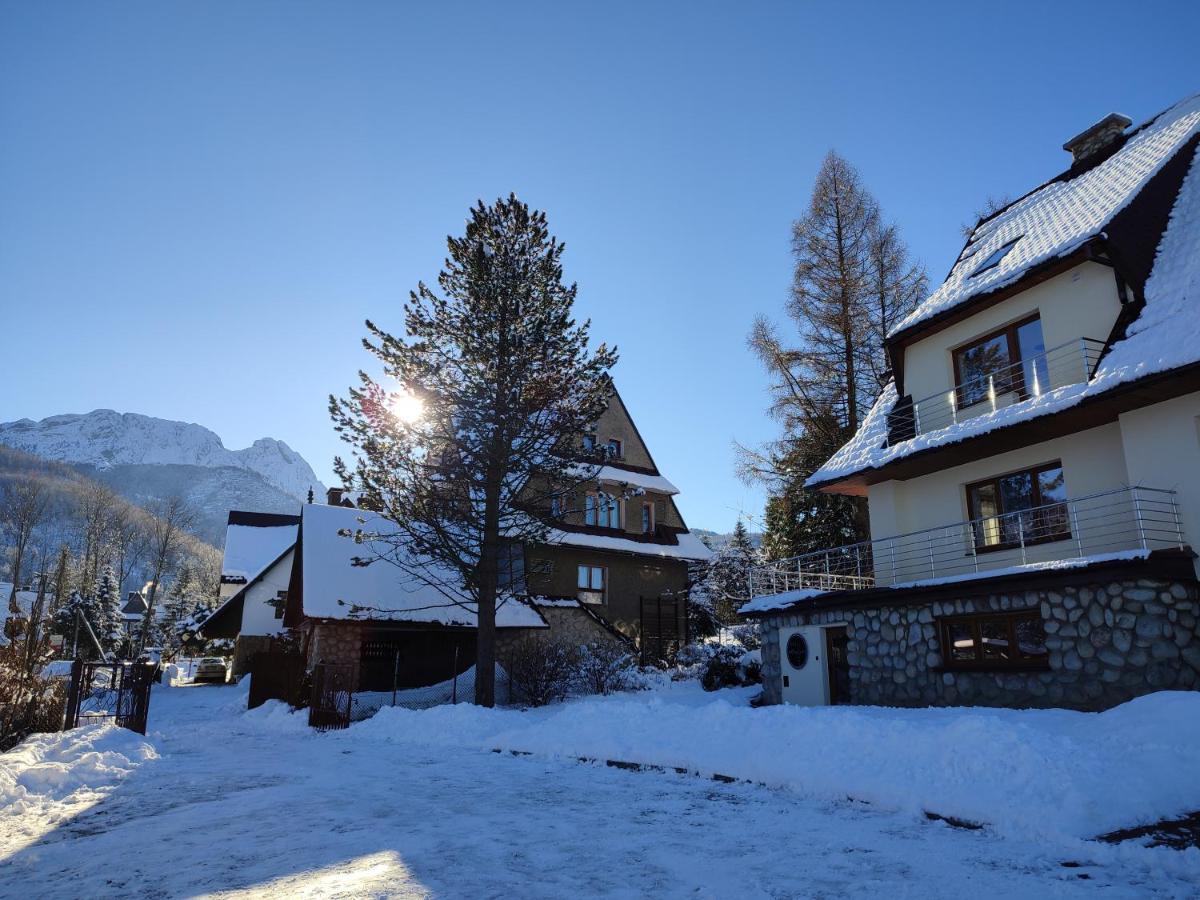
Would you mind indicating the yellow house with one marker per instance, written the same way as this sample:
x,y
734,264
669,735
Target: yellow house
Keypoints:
x,y
1033,470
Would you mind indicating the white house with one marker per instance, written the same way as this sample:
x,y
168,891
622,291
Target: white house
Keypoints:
x,y
1033,470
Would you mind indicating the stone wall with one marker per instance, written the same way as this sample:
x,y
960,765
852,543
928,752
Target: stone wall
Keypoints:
x,y
244,649
569,625
335,642
1108,641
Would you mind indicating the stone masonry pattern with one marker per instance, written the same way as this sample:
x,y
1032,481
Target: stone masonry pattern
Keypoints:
x,y
1108,642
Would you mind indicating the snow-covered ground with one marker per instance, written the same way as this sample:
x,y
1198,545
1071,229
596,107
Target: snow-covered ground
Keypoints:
x,y
217,801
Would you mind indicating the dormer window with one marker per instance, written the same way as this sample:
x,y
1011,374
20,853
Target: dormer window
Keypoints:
x,y
994,258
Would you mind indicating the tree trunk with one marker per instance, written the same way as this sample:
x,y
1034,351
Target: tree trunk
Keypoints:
x,y
485,632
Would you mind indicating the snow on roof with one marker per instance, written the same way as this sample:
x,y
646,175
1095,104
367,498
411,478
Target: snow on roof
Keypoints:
x,y
615,475
689,547
251,548
773,602
333,585
1059,217
1165,336
25,600
777,602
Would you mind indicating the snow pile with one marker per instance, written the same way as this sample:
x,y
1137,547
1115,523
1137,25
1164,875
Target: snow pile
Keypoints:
x,y
1031,773
47,768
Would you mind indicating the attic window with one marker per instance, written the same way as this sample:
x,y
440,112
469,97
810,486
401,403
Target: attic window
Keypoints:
x,y
994,257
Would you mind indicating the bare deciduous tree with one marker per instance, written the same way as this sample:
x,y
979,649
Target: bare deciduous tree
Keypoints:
x,y
23,506
168,529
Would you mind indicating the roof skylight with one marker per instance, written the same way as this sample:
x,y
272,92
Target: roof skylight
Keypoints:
x,y
995,256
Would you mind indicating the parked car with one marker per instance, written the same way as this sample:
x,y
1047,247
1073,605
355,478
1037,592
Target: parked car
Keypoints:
x,y
211,668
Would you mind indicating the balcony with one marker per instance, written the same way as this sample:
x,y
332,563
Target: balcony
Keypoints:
x,y
1095,526
1069,363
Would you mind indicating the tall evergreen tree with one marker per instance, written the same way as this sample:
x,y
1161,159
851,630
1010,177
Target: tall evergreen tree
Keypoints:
x,y
107,606
182,601
727,578
853,282
496,385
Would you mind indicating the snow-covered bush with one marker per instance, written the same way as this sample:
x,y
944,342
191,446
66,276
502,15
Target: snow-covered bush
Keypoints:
x,y
540,671
29,701
603,667
748,634
719,665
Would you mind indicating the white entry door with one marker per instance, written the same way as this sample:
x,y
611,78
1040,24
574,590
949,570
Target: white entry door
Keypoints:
x,y
802,662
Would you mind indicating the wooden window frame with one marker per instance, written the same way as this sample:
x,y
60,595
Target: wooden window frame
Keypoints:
x,y
618,453
601,500
973,514
603,590
1009,333
648,505
1010,618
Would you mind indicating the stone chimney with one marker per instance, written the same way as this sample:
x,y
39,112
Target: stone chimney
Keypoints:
x,y
1097,137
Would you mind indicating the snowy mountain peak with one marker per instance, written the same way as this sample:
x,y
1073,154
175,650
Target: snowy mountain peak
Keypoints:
x,y
105,438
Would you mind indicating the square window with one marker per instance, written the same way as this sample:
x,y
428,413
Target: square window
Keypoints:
x,y
614,449
960,639
1022,507
994,641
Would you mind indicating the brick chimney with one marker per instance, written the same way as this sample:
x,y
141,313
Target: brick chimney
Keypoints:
x,y
1097,137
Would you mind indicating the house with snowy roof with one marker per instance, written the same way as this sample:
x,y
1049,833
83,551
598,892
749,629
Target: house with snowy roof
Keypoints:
x,y
614,567
255,571
1033,470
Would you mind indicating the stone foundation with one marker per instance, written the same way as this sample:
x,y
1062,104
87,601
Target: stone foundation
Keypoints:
x,y
1108,641
244,649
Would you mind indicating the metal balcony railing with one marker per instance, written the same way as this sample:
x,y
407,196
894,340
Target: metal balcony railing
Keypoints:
x,y
1071,363
1111,522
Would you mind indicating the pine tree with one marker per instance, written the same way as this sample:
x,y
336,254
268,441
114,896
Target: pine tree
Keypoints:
x,y
73,620
496,384
728,575
853,282
181,603
107,607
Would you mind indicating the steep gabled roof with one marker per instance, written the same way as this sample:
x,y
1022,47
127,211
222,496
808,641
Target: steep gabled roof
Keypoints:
x,y
1060,216
252,541
327,583
1163,338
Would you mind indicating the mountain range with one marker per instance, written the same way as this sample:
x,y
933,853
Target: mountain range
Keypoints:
x,y
144,458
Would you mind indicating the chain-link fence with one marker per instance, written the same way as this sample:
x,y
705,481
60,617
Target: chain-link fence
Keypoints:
x,y
458,688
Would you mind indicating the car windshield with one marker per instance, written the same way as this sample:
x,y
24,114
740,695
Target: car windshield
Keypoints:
x,y
212,661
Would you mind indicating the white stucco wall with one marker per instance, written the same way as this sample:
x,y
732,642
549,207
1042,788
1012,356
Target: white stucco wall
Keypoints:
x,y
1080,303
258,616
1162,446
1093,462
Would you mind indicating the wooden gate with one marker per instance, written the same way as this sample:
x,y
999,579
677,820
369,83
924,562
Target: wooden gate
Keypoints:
x,y
117,691
276,675
332,691
664,628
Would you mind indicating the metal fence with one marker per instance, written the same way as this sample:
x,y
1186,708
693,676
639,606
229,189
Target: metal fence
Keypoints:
x,y
117,691
1136,518
1069,363
459,688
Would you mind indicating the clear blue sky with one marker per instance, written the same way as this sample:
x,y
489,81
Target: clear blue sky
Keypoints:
x,y
201,202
